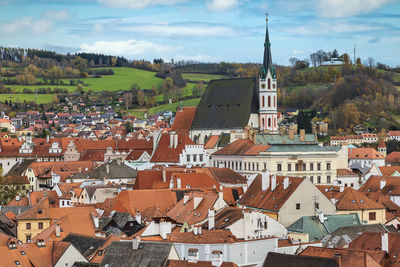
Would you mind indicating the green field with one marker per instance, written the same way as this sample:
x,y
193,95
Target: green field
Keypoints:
x,y
121,80
41,98
197,77
173,106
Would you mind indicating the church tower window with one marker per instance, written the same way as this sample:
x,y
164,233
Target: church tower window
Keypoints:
x,y
269,101
263,101
269,83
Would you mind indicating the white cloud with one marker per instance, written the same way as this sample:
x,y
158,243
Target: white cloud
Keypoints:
x,y
222,5
346,8
296,52
324,28
138,4
28,25
182,30
124,48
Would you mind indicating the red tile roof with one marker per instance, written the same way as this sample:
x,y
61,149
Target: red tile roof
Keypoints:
x,y
392,185
194,180
389,170
183,119
349,199
393,157
364,153
349,257
269,200
345,172
165,153
206,237
240,146
211,142
131,201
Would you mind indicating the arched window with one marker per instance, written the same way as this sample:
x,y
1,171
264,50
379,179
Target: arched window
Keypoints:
x,y
269,101
269,83
275,122
274,101
263,102
263,123
269,122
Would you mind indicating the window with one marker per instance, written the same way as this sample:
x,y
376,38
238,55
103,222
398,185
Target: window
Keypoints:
x,y
269,101
304,167
296,167
269,122
318,166
316,205
201,157
372,216
328,166
28,238
311,166
194,157
263,102
187,158
297,206
28,226
40,225
265,225
265,166
279,167
328,179
352,185
312,179
318,179
289,167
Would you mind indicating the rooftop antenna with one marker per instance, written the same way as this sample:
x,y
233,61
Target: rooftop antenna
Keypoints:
x,y
354,54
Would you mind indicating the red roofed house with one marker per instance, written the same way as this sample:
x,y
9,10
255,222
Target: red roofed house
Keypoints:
x,y
286,199
365,157
178,148
183,120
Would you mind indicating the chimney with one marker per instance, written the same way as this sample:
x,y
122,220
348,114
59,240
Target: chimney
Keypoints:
x,y
196,201
47,138
185,198
385,242
382,184
135,243
285,183
211,218
341,188
302,135
195,230
138,217
164,175
58,230
291,134
217,258
338,258
96,221
171,139
178,183
175,140
163,229
199,230
264,180
273,183
108,168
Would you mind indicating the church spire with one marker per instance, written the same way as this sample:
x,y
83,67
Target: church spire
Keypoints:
x,y
267,63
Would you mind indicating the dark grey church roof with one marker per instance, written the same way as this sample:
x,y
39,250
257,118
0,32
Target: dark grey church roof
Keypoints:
x,y
227,104
86,245
149,254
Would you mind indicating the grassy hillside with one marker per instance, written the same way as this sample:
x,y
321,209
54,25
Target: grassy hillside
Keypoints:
x,y
121,80
197,77
41,98
173,106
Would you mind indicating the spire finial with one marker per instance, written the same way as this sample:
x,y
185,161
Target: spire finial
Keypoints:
x,y
266,15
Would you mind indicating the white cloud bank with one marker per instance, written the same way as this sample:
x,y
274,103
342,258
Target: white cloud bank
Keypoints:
x,y
222,5
138,4
348,8
28,25
182,30
124,48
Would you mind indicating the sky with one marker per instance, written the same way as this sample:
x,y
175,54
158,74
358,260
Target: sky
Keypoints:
x,y
205,30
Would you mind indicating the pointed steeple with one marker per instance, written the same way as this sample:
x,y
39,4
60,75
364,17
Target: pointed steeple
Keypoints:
x,y
267,63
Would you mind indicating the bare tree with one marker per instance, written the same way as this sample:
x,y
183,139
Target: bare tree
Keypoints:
x,y
293,61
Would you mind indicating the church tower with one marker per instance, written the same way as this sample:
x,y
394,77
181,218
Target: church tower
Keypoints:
x,y
268,114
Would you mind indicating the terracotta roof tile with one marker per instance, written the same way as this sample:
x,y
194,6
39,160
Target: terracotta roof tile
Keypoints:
x,y
269,200
240,146
393,157
183,119
211,142
165,153
349,199
345,172
364,153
